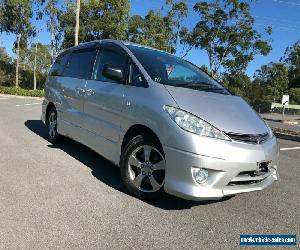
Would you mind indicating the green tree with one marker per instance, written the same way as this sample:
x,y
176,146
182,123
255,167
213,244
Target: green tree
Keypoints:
x,y
1,16
274,79
16,19
236,82
42,54
98,20
158,30
177,12
294,96
53,12
225,31
4,57
35,62
6,68
43,57
50,11
254,93
292,59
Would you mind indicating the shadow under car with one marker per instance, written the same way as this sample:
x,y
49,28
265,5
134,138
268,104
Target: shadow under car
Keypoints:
x,y
107,172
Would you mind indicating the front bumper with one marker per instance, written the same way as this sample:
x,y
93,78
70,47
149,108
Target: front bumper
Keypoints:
x,y
227,166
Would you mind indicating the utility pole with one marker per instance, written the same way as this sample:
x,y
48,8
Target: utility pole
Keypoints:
x,y
18,57
34,67
35,58
77,22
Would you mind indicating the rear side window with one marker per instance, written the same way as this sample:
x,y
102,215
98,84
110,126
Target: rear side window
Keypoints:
x,y
80,63
59,65
110,57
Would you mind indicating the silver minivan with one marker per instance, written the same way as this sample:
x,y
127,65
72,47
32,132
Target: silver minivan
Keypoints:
x,y
169,126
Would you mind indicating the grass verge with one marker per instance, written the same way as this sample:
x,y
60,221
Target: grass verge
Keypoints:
x,y
21,92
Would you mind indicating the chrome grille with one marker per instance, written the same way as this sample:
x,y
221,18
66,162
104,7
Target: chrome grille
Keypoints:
x,y
247,138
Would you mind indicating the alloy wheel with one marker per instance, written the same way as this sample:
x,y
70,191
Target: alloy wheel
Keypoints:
x,y
52,123
146,167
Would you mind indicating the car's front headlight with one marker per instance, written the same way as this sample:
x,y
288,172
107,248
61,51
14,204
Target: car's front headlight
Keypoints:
x,y
194,124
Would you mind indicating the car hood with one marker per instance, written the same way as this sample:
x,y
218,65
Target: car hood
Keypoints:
x,y
228,113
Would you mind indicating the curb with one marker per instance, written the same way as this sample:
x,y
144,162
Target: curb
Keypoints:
x,y
22,97
279,120
286,134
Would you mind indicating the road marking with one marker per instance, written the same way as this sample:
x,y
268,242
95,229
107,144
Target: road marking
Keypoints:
x,y
285,149
28,104
3,98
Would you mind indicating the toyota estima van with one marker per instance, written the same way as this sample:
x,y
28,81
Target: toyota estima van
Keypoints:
x,y
167,124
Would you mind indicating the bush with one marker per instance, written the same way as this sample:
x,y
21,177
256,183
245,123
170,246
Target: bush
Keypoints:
x,y
7,73
26,79
294,96
262,106
21,92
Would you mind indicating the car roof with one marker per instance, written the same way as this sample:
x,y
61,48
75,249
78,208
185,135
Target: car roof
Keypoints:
x,y
142,46
98,42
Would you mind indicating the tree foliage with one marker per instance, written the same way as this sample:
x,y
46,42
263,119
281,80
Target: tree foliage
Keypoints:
x,y
236,82
7,71
1,16
51,9
158,30
43,57
16,18
274,79
225,31
98,20
292,59
6,68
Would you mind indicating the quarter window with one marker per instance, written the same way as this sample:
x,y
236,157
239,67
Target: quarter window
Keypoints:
x,y
59,65
112,58
136,78
80,63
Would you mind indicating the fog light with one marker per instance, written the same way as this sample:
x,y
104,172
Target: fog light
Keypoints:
x,y
200,175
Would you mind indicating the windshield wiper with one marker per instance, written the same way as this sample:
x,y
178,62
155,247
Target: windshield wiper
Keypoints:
x,y
199,86
204,86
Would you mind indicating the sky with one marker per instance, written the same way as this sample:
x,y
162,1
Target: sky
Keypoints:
x,y
282,15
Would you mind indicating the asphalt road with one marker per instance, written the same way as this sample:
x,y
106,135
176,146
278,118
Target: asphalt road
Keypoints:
x,y
69,197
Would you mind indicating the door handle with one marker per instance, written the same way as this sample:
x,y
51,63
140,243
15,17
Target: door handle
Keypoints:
x,y
90,92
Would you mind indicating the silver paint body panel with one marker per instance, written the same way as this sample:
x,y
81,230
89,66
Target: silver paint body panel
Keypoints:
x,y
101,120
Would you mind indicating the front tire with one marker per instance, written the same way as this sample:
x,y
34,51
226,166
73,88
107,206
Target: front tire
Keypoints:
x,y
143,167
53,136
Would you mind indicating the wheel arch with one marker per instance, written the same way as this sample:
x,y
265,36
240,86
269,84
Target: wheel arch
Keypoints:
x,y
49,106
136,130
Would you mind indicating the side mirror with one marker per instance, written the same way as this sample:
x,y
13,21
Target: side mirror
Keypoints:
x,y
112,72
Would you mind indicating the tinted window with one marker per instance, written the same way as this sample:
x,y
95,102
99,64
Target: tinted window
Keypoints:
x,y
59,65
80,63
136,78
110,57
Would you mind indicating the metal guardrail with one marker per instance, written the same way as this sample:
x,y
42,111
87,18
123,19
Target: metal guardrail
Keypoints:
x,y
279,105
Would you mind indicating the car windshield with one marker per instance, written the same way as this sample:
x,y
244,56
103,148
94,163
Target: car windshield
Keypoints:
x,y
168,69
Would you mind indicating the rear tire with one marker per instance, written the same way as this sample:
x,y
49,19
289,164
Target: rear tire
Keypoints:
x,y
143,167
53,136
